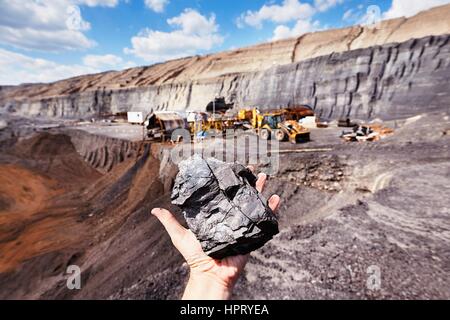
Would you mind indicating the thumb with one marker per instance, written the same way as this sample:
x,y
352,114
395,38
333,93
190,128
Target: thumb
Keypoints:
x,y
175,230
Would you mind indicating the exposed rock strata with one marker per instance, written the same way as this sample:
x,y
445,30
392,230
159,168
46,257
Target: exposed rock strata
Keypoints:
x,y
395,68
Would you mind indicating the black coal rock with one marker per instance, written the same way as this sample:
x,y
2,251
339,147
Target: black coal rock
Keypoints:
x,y
222,207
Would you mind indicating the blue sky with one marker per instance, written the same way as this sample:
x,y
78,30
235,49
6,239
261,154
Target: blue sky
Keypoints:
x,y
47,40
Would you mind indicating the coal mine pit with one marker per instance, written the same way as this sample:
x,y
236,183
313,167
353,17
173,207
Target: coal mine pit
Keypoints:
x,y
70,197
351,124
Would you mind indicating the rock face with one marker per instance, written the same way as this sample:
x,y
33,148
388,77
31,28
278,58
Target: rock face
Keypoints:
x,y
395,68
222,207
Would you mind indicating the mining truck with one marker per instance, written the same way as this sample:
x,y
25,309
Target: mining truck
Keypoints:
x,y
218,105
273,124
161,125
298,112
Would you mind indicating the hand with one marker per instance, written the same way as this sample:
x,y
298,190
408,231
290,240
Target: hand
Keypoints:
x,y
209,278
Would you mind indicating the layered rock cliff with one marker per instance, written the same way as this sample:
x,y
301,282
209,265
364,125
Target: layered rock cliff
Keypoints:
x,y
397,68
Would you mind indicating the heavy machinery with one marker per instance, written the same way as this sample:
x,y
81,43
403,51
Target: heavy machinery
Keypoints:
x,y
295,132
219,105
270,124
298,112
161,125
206,122
197,121
369,132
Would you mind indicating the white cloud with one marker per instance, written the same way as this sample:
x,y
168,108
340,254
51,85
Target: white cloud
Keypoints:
x,y
348,15
192,22
195,33
324,5
408,8
301,27
95,3
286,14
45,14
289,10
47,25
53,41
157,5
18,68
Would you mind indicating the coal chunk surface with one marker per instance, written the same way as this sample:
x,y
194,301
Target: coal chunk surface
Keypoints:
x,y
222,207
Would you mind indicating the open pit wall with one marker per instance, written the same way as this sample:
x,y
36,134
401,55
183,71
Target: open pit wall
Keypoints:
x,y
101,152
389,81
360,71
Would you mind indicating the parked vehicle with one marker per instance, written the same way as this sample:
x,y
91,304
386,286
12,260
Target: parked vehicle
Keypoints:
x,y
273,124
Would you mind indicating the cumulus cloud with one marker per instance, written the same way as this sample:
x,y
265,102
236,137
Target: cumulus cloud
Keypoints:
x,y
95,3
46,25
156,5
408,8
289,10
372,14
293,18
18,68
348,15
324,5
193,33
301,27
52,41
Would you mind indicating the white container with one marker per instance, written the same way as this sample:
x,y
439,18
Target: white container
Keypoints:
x,y
308,122
135,117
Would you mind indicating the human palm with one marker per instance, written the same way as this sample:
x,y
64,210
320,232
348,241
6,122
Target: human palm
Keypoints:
x,y
220,274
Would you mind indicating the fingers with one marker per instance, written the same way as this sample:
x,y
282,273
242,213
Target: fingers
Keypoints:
x,y
274,203
262,178
175,230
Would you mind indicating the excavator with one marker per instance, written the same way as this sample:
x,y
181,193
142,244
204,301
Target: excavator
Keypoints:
x,y
273,123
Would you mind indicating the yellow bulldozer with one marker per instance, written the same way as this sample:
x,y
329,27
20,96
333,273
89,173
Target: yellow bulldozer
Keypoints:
x,y
273,123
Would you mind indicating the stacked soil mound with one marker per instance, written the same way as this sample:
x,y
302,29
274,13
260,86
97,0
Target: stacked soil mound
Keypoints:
x,y
45,145
55,156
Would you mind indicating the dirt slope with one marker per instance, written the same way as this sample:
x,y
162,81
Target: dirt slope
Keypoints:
x,y
57,210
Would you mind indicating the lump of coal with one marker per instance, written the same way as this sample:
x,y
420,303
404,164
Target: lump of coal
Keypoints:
x,y
222,207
